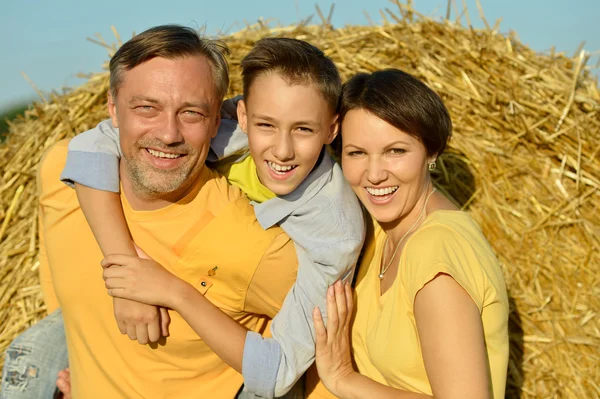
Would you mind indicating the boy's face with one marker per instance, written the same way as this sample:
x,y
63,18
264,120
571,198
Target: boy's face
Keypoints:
x,y
287,126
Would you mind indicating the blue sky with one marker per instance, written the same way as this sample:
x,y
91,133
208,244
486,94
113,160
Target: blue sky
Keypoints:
x,y
47,39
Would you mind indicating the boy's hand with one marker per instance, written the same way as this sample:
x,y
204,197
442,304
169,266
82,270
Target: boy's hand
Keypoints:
x,y
140,280
141,322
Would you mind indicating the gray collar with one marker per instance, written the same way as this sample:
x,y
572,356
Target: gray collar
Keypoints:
x,y
273,211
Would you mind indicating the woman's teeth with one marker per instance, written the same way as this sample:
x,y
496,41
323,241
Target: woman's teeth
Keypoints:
x,y
280,168
160,154
379,192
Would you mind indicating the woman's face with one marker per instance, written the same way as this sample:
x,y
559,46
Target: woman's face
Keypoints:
x,y
386,167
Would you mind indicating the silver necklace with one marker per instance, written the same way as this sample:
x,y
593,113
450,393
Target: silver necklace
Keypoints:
x,y
385,269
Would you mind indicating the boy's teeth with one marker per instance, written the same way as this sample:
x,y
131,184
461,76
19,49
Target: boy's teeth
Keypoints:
x,y
381,191
280,168
160,154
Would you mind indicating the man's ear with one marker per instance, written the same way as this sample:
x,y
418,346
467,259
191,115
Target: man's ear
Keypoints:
x,y
112,109
334,129
242,116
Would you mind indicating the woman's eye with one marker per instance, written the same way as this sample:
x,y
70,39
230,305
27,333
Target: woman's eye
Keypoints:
x,y
397,151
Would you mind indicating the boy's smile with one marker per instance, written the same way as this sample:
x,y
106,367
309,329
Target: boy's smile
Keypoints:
x,y
287,126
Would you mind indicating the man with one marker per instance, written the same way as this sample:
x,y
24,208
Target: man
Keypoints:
x,y
167,85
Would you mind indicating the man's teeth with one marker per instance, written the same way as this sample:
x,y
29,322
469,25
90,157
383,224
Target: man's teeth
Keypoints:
x,y
160,154
280,168
381,191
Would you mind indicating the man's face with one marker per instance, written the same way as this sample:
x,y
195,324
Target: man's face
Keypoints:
x,y
287,126
167,112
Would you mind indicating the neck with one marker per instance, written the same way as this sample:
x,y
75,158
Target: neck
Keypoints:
x,y
398,228
141,200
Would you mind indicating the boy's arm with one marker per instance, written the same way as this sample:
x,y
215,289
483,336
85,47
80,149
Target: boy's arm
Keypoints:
x,y
293,341
93,161
231,143
145,280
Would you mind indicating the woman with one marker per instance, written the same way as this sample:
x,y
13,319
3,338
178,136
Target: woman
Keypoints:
x,y
431,314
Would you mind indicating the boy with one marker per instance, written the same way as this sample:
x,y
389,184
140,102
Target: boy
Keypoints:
x,y
289,113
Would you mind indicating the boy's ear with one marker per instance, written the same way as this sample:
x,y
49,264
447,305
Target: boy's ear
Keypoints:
x,y
334,129
242,115
112,109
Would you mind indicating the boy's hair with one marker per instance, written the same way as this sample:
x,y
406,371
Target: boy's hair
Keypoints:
x,y
171,42
298,62
404,102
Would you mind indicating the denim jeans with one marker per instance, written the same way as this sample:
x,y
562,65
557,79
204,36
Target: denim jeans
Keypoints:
x,y
34,359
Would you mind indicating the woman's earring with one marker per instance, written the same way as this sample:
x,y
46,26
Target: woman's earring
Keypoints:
x,y
432,165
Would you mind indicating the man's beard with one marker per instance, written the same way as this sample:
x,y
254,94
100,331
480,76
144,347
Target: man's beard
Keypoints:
x,y
152,183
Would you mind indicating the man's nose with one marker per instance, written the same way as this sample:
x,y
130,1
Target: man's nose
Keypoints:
x,y
283,149
377,171
171,131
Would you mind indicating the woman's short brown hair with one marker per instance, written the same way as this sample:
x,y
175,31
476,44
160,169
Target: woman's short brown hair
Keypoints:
x,y
404,102
170,41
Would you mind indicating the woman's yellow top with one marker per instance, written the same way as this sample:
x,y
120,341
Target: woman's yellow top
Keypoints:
x,y
385,339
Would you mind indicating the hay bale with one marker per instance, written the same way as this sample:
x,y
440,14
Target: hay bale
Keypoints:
x,y
524,160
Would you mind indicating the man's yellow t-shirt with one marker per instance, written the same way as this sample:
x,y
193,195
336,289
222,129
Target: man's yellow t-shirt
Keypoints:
x,y
385,340
210,238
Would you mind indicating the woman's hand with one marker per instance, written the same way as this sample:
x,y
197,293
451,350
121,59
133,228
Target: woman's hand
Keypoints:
x,y
140,279
333,359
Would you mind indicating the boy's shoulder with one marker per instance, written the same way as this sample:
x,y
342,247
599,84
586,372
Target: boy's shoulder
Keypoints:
x,y
337,206
332,213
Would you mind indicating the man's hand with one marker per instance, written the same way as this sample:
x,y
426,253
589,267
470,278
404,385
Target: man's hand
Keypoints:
x,y
141,322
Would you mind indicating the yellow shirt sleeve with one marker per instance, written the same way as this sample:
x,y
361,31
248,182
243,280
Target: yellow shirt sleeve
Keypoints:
x,y
273,278
453,255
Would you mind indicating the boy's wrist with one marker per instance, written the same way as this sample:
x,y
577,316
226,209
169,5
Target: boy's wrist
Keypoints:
x,y
182,294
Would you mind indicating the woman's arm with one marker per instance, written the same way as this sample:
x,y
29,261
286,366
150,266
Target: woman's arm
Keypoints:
x,y
452,340
451,336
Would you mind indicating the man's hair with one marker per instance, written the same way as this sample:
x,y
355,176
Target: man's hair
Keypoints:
x,y
298,62
171,42
404,102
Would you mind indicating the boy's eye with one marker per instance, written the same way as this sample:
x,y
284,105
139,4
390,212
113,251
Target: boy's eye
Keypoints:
x,y
265,125
305,129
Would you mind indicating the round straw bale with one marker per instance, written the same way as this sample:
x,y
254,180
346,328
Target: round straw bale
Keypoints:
x,y
524,160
